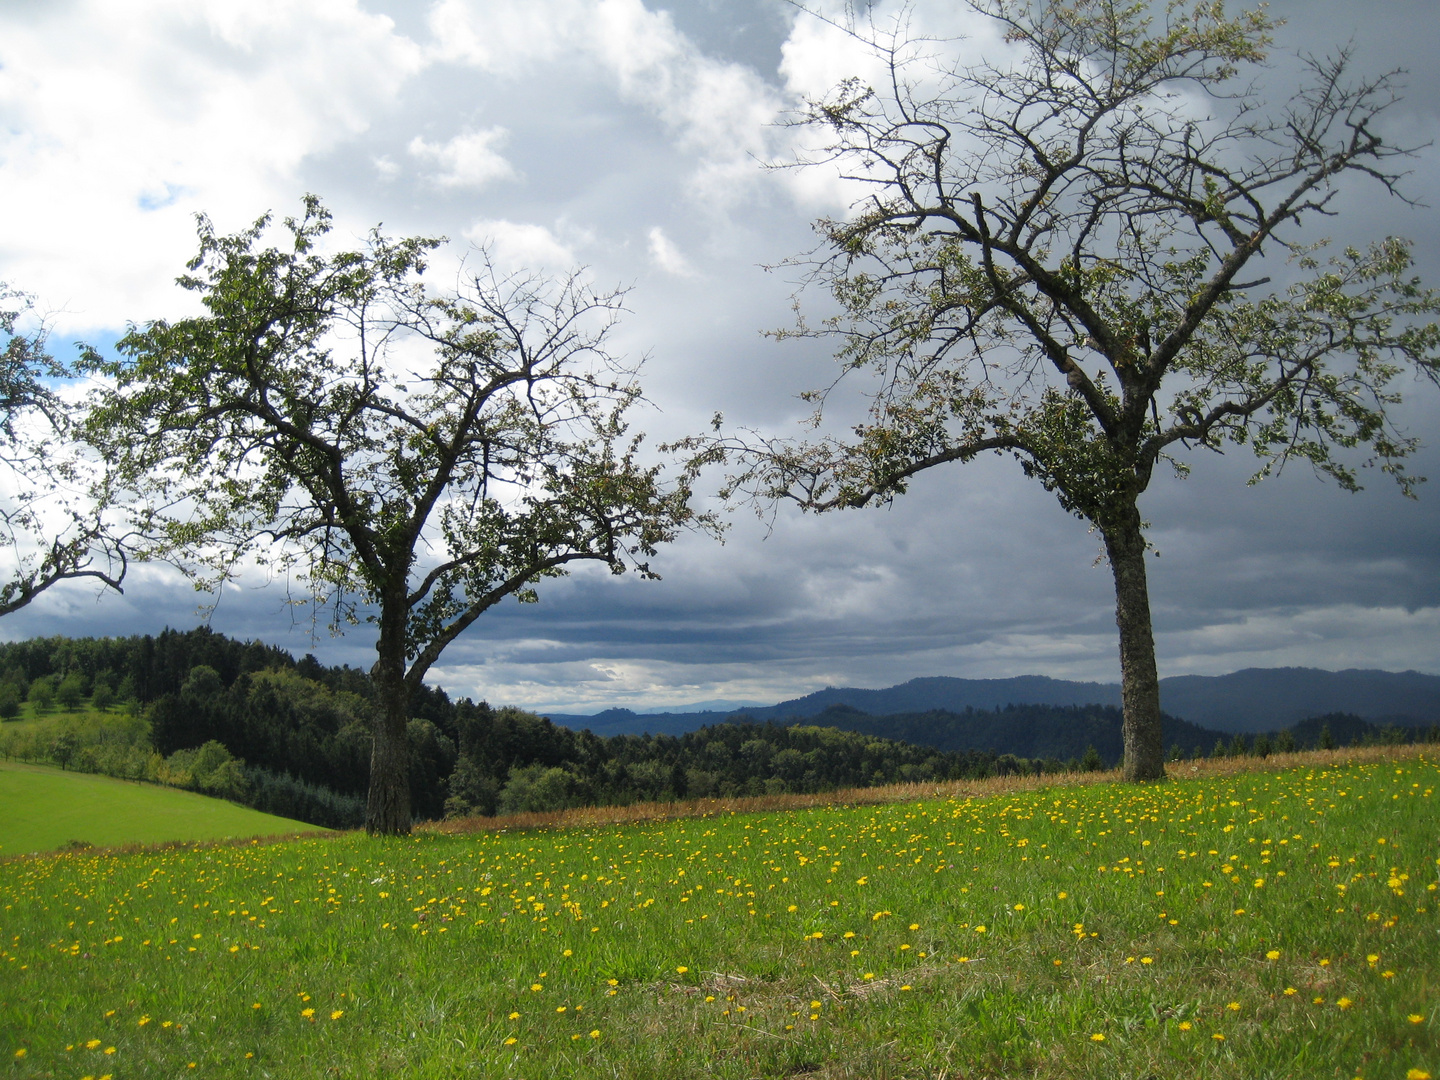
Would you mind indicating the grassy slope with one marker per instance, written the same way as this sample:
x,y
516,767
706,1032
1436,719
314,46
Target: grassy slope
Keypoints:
x,y
43,808
1276,923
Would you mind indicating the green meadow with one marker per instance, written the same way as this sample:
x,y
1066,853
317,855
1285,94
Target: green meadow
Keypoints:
x,y
1276,923
43,808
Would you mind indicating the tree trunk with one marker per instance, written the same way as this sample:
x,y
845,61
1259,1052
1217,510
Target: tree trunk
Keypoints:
x,y
387,811
1139,679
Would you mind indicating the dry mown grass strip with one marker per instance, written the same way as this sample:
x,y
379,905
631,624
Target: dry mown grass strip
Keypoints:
x,y
636,813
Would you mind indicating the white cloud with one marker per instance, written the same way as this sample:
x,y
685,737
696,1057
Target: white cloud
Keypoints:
x,y
504,37
468,160
521,246
122,120
665,255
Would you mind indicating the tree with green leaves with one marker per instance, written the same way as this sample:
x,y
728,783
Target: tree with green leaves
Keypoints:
x,y
52,521
402,456
1095,253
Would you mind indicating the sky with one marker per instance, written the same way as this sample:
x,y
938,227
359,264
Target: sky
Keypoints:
x,y
629,137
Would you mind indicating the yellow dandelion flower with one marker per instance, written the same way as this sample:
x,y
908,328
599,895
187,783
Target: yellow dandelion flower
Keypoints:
x,y
1234,1006
536,988
1290,991
1185,1025
681,970
1097,1037
92,1044
511,1041
1415,1018
1062,895
21,1052
595,1034
1273,954
337,1014
1344,1003
1218,1037
914,926
308,1014
1417,1074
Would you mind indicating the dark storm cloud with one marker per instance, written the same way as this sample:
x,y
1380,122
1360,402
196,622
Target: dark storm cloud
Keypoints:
x,y
613,157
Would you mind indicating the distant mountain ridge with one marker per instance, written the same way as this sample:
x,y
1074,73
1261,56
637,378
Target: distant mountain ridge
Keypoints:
x,y
1247,701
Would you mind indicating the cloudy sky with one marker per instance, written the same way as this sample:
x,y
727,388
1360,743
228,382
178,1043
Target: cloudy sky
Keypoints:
x,y
627,136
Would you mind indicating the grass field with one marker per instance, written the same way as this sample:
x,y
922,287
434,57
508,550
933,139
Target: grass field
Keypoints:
x,y
1263,924
43,808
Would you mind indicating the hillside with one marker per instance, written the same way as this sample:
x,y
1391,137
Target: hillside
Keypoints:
x,y
1042,732
43,809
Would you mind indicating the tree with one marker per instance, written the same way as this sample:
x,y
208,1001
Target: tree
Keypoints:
x,y
52,533
42,694
71,691
299,423
1093,259
102,697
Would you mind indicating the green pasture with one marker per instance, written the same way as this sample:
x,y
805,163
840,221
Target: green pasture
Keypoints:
x,y
1265,924
43,808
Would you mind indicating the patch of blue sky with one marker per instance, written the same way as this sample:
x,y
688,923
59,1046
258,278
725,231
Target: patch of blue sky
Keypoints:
x,y
150,200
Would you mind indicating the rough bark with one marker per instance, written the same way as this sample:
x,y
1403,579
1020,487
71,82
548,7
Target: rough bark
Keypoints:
x,y
1139,677
387,810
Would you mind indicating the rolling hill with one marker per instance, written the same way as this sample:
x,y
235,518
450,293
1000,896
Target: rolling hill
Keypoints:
x,y
1248,701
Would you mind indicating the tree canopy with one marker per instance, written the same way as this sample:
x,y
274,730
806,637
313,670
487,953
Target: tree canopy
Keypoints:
x,y
403,456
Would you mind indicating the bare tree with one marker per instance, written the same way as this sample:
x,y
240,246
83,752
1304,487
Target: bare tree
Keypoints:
x,y
1093,258
411,458
52,524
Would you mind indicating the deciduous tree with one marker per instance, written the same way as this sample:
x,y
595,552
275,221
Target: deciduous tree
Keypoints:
x,y
52,528
1097,252
409,458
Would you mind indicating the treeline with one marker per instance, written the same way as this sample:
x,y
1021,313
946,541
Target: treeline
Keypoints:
x,y
1069,732
249,722
1055,733
511,761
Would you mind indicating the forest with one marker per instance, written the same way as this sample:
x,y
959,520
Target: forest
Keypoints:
x,y
249,722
